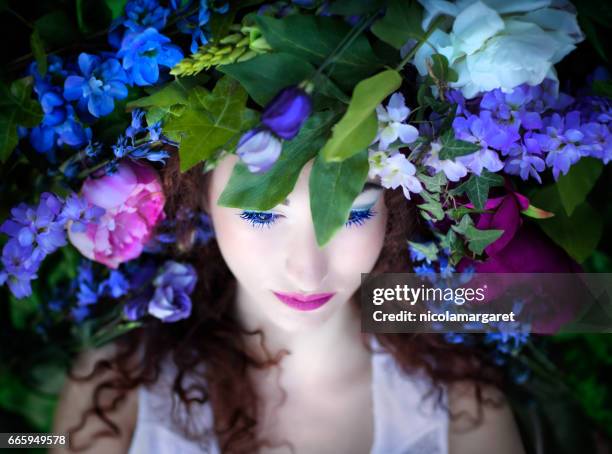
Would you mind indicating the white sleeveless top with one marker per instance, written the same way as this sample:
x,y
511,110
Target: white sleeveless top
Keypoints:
x,y
404,422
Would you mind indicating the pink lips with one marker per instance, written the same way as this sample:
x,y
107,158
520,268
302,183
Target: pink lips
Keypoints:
x,y
304,302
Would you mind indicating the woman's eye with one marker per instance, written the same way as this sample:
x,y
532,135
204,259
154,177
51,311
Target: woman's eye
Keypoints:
x,y
358,217
259,219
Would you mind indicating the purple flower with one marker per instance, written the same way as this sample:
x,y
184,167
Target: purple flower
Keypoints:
x,y
80,212
100,84
143,53
597,141
563,135
286,113
173,285
19,268
525,160
259,150
486,133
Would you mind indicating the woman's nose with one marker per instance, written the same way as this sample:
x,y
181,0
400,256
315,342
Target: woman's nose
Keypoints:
x,y
307,264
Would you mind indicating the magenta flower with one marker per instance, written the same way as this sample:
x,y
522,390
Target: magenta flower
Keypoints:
x,y
134,203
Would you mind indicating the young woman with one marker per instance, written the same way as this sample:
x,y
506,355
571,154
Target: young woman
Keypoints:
x,y
257,369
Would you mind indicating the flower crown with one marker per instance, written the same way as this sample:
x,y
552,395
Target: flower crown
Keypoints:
x,y
457,104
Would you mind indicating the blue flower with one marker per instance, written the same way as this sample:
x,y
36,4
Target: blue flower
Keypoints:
x,y
115,286
286,113
100,84
194,25
142,14
173,284
143,53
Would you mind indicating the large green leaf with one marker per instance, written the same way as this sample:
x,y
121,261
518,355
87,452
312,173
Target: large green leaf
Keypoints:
x,y
357,128
17,108
351,7
314,38
576,185
116,7
579,233
265,75
264,191
210,121
477,187
401,22
333,189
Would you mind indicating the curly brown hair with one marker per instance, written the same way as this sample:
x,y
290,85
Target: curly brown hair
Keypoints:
x,y
212,336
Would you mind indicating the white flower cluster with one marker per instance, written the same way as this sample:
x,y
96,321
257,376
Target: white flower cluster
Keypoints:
x,y
386,161
500,43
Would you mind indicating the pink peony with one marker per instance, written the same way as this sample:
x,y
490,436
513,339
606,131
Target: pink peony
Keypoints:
x,y
134,204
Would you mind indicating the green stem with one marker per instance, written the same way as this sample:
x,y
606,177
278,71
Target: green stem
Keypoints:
x,y
416,48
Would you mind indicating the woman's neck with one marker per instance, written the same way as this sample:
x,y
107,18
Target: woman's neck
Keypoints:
x,y
326,353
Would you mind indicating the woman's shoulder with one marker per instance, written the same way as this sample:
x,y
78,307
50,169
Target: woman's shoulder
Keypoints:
x,y
481,421
87,387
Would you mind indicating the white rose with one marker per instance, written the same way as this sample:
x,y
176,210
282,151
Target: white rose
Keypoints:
x,y
500,44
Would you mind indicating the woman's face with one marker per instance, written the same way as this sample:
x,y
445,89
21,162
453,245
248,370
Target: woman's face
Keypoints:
x,y
276,252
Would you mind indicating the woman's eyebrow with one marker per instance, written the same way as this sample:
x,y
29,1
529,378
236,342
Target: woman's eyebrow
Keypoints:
x,y
366,187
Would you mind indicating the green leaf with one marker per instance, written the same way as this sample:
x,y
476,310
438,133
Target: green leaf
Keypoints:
x,y
578,234
477,187
210,121
454,244
401,22
264,191
17,108
56,29
314,38
478,240
351,7
333,189
172,93
429,250
440,72
578,182
433,183
602,88
466,221
452,148
432,208
592,36
220,24
38,50
116,7
357,128
265,75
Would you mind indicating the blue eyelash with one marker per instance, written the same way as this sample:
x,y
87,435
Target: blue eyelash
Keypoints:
x,y
259,219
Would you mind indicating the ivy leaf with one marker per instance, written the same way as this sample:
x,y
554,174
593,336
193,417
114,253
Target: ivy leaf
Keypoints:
x,y
170,94
265,75
264,191
478,240
333,189
452,148
454,244
210,121
429,250
578,182
477,187
314,38
116,7
466,221
38,50
357,128
433,183
17,108
401,22
432,208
